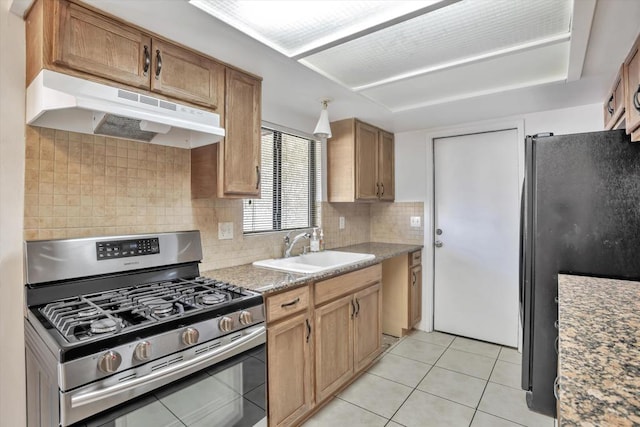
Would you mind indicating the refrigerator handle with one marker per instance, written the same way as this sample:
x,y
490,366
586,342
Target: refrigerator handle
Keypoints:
x,y
543,135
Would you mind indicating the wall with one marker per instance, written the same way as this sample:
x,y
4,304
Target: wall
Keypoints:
x,y
12,72
414,172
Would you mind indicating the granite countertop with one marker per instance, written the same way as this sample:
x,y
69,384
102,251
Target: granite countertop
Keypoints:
x,y
266,281
599,351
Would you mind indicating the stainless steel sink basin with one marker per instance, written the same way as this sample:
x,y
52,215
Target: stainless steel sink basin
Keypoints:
x,y
315,262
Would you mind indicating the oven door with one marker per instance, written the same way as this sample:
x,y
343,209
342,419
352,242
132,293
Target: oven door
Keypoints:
x,y
229,392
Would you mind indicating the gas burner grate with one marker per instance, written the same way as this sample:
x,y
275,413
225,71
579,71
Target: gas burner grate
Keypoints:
x,y
90,316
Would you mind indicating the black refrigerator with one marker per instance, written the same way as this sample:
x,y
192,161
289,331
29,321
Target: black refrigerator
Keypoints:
x,y
580,215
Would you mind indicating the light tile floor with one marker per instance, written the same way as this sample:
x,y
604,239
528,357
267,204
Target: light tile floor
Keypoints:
x,y
435,379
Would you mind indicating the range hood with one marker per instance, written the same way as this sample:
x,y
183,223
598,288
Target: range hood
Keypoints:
x,y
60,101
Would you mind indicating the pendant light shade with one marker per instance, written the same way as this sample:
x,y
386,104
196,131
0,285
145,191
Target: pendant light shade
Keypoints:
x,y
323,128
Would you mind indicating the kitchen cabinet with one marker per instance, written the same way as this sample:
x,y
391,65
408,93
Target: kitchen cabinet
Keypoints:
x,y
73,39
319,338
349,328
231,168
402,287
614,106
632,86
360,163
183,74
289,357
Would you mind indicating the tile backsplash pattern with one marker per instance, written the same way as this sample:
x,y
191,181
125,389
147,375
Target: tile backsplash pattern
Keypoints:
x,y
84,185
390,223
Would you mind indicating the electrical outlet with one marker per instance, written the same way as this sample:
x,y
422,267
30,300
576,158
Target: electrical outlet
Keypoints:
x,y
415,221
341,223
225,230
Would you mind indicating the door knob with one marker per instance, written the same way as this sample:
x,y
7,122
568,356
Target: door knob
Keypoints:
x,y
439,231
438,244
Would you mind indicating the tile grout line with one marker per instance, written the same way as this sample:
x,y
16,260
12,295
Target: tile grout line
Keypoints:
x,y
422,379
485,388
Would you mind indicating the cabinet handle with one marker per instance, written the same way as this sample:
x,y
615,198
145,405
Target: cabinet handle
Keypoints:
x,y
382,186
289,304
258,177
308,329
147,61
413,273
556,388
636,103
556,344
353,306
158,64
609,107
377,189
358,304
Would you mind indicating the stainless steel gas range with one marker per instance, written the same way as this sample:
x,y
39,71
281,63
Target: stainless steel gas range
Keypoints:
x,y
113,318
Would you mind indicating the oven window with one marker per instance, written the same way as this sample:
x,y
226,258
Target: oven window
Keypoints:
x,y
231,393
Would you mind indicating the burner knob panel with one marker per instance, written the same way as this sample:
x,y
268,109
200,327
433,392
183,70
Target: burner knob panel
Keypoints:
x,y
226,324
142,351
190,336
246,318
109,362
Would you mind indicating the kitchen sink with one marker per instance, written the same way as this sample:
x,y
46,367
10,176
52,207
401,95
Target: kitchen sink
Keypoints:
x,y
316,262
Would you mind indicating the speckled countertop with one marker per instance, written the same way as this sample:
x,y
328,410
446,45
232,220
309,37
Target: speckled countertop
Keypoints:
x,y
599,351
267,281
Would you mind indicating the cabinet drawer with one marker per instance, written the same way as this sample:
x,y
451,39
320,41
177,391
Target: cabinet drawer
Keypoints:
x,y
287,303
415,258
327,290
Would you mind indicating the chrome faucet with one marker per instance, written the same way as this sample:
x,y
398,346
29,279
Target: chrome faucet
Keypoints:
x,y
289,244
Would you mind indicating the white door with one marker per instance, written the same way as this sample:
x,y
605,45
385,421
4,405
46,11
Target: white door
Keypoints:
x,y
476,218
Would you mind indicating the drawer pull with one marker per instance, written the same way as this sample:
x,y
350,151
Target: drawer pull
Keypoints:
x,y
289,304
556,345
556,388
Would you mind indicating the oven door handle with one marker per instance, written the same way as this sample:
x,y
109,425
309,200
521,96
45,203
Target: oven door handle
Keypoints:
x,y
169,374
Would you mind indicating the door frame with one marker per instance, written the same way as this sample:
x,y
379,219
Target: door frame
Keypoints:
x,y
429,206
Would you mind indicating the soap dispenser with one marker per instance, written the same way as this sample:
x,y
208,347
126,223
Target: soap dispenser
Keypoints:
x,y
315,243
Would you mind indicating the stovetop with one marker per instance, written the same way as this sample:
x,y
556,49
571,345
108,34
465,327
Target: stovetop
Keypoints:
x,y
94,316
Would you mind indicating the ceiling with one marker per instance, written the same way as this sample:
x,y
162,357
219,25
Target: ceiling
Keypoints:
x,y
405,65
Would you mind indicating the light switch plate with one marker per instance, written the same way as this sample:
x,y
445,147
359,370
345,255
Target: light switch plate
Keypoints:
x,y
225,230
341,223
415,221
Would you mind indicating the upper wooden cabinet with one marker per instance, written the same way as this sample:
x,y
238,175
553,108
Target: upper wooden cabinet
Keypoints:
x,y
614,105
360,163
183,74
73,39
231,168
86,41
632,85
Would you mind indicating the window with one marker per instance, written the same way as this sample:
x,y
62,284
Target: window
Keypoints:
x,y
290,173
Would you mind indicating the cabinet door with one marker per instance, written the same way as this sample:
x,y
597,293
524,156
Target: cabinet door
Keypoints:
x,y
290,362
386,166
632,73
333,346
415,295
367,326
183,74
366,162
86,41
240,154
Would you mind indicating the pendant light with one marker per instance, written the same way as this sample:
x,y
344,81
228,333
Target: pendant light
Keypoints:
x,y
323,128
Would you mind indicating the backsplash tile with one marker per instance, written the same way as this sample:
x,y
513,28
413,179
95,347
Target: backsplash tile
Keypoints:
x,y
80,185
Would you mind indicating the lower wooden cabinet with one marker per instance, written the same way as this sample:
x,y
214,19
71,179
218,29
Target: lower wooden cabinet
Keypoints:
x,y
289,356
318,339
334,346
290,361
402,289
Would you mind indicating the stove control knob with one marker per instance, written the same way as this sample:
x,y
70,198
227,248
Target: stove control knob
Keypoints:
x,y
190,336
226,324
142,351
246,318
109,362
